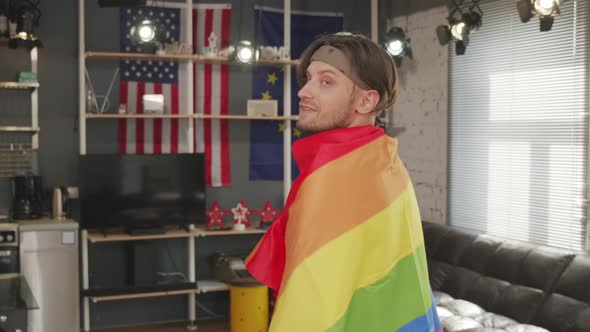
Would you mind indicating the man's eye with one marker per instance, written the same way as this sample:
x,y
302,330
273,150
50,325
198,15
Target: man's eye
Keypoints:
x,y
326,82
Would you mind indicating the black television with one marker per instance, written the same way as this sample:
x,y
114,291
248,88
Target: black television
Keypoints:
x,y
142,191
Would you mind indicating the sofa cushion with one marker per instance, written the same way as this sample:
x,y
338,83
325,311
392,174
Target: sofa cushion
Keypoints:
x,y
452,245
542,267
459,281
519,302
438,272
559,313
486,291
582,322
479,254
574,280
507,261
433,233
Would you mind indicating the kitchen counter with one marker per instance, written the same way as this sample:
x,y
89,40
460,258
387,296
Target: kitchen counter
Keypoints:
x,y
46,224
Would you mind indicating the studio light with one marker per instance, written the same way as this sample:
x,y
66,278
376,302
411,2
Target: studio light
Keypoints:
x,y
397,44
144,32
245,53
458,30
26,15
148,35
461,25
546,9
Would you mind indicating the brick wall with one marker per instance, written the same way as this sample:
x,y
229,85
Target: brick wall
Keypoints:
x,y
419,117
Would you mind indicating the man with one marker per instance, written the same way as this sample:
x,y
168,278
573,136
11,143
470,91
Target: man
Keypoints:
x,y
347,253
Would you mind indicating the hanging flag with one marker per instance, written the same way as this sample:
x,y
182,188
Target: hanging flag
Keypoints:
x,y
266,137
211,84
364,271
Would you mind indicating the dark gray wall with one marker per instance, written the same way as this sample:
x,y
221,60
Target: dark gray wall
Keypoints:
x,y
58,152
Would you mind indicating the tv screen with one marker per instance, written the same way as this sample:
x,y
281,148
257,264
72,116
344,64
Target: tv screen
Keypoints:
x,y
141,190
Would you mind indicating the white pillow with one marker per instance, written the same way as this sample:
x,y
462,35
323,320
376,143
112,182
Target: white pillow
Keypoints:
x,y
441,298
524,328
456,323
443,312
489,319
464,308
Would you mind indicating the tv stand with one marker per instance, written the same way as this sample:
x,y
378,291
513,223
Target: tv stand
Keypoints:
x,y
145,230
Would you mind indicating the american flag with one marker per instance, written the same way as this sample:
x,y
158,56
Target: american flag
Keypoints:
x,y
211,84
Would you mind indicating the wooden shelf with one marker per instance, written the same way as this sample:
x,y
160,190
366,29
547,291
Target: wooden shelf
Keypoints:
x,y
178,57
246,117
17,85
120,235
187,116
96,299
209,286
204,326
19,129
138,116
137,56
201,231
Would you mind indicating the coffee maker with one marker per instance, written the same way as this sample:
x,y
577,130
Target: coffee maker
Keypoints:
x,y
27,197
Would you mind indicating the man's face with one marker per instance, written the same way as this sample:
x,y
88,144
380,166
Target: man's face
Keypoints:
x,y
326,101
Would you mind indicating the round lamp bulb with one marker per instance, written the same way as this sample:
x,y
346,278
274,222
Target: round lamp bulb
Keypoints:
x,y
395,47
146,31
245,54
544,7
457,30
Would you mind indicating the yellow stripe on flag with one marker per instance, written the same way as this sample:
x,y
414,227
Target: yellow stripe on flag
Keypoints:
x,y
319,290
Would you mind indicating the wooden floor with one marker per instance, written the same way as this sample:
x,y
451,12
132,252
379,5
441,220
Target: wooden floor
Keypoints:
x,y
172,327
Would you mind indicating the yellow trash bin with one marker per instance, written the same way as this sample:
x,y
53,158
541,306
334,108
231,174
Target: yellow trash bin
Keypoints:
x,y
248,308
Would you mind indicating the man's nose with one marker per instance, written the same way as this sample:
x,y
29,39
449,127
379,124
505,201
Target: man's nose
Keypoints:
x,y
304,92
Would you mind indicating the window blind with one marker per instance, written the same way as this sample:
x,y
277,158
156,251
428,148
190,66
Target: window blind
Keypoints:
x,y
518,127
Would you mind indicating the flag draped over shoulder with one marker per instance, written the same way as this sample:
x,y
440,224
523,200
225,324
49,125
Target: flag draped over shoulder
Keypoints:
x,y
266,137
347,253
210,82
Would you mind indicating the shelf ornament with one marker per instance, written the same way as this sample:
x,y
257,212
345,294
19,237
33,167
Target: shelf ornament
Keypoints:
x,y
215,215
267,215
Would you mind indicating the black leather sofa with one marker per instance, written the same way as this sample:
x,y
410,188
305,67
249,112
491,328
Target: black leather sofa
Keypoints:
x,y
532,285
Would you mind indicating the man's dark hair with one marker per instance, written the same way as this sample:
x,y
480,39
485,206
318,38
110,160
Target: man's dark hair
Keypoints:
x,y
371,63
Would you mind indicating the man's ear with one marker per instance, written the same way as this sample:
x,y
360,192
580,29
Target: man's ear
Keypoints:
x,y
367,102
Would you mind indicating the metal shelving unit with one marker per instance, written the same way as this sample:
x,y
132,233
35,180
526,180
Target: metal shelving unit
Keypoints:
x,y
202,286
19,141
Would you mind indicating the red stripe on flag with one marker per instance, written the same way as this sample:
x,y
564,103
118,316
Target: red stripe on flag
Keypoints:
x,y
195,51
157,128
139,123
123,122
224,124
207,101
174,122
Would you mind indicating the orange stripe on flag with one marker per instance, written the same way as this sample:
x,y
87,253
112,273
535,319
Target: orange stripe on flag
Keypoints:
x,y
315,220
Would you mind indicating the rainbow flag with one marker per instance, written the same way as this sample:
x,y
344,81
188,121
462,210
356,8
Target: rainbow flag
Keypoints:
x,y
347,254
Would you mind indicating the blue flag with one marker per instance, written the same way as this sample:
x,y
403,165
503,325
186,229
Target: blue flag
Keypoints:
x,y
266,137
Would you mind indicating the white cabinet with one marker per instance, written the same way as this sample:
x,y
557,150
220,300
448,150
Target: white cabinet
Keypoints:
x,y
49,263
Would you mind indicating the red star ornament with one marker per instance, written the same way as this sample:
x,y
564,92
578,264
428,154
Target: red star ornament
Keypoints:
x,y
268,214
215,215
241,214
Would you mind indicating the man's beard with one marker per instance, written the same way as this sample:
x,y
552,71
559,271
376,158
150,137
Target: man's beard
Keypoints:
x,y
317,124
